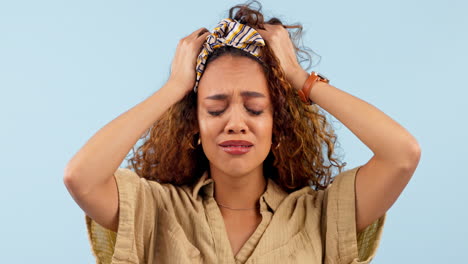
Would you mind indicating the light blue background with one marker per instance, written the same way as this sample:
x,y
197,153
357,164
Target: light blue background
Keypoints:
x,y
68,68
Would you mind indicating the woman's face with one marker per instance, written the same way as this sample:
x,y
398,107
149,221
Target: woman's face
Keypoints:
x,y
234,104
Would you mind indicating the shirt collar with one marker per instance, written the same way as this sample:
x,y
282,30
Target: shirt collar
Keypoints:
x,y
273,195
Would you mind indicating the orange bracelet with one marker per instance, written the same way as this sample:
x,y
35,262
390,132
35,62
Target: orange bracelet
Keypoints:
x,y
311,80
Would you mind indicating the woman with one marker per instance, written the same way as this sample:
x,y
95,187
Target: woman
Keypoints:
x,y
234,148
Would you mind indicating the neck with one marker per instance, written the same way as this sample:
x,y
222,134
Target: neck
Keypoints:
x,y
238,191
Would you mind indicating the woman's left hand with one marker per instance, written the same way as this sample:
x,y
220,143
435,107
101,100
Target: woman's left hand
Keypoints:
x,y
279,41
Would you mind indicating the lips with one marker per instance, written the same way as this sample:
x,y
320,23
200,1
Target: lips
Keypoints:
x,y
236,143
236,147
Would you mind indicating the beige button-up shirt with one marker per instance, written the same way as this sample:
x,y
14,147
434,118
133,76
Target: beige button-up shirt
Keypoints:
x,y
163,223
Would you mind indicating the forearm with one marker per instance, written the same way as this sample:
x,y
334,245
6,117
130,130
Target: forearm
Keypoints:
x,y
103,153
386,138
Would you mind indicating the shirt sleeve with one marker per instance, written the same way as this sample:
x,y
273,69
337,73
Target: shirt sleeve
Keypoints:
x,y
138,203
342,242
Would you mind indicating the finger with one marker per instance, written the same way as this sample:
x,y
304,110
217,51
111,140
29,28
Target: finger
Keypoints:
x,y
263,33
203,34
195,33
201,39
200,31
260,31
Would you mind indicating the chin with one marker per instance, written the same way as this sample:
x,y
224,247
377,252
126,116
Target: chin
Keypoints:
x,y
236,168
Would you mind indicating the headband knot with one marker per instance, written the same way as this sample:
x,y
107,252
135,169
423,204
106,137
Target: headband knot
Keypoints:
x,y
229,32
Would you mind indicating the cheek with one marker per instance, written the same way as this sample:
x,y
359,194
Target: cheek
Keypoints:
x,y
265,125
202,125
209,128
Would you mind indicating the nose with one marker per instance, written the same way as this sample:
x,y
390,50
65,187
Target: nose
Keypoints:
x,y
236,123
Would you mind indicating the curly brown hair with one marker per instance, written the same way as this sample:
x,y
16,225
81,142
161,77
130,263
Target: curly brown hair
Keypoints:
x,y
306,138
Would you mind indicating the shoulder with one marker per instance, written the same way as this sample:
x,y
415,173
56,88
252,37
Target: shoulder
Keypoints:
x,y
128,177
168,193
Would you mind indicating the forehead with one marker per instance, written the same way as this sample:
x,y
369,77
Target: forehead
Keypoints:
x,y
233,75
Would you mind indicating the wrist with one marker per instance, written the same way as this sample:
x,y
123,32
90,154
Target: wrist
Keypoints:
x,y
174,89
314,79
315,88
299,78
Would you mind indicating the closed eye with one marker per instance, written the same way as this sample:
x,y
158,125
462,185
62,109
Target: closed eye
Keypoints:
x,y
217,113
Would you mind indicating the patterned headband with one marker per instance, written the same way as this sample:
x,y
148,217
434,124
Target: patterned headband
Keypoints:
x,y
229,32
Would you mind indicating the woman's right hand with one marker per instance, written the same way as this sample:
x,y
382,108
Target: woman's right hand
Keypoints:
x,y
185,60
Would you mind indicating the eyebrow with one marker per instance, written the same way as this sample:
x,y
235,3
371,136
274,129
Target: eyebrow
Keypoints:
x,y
243,94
